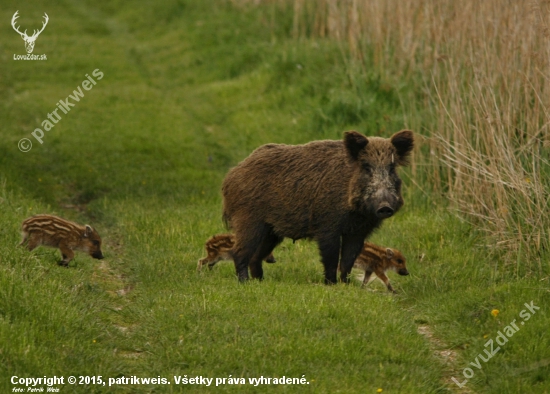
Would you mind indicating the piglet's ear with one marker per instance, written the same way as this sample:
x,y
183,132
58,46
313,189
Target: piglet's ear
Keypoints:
x,y
89,230
354,143
403,142
389,253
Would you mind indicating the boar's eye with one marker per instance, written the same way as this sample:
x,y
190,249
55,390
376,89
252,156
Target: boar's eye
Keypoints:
x,y
367,167
95,242
400,261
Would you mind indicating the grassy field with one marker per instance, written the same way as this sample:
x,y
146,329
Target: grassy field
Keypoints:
x,y
189,89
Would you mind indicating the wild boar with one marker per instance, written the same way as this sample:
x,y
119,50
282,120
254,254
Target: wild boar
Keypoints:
x,y
376,259
55,232
335,192
219,247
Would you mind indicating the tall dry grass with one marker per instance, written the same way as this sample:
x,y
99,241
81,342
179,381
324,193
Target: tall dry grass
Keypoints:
x,y
482,77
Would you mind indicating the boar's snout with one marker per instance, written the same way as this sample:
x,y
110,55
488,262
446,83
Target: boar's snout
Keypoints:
x,y
386,203
384,212
386,200
97,255
403,271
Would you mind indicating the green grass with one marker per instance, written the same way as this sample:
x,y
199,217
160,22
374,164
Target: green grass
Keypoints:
x,y
189,90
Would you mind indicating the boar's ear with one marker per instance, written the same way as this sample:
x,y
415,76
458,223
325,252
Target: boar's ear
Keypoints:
x,y
354,142
89,230
389,253
403,142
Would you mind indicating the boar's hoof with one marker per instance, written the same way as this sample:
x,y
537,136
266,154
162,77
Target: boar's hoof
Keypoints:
x,y
384,212
63,263
243,278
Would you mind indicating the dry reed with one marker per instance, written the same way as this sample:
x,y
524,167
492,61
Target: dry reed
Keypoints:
x,y
484,71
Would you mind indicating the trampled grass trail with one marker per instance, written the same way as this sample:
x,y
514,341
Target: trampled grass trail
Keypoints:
x,y
189,90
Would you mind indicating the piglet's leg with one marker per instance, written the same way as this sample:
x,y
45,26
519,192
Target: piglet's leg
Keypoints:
x,y
270,259
386,281
368,274
201,262
25,239
34,242
213,262
68,255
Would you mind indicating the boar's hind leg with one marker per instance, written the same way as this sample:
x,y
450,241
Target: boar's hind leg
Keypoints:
x,y
269,242
351,247
330,251
249,238
241,259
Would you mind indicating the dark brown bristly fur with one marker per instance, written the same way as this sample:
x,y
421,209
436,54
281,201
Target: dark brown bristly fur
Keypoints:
x,y
55,232
376,259
220,247
335,192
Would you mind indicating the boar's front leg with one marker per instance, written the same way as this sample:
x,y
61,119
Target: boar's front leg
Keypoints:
x,y
330,251
351,247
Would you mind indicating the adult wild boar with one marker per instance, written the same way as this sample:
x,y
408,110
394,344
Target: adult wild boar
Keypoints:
x,y
335,192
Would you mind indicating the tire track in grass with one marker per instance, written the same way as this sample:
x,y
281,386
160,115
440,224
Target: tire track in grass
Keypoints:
x,y
446,356
110,273
442,353
121,35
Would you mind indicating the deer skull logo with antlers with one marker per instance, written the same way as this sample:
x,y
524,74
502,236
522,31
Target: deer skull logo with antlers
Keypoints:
x,y
29,41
